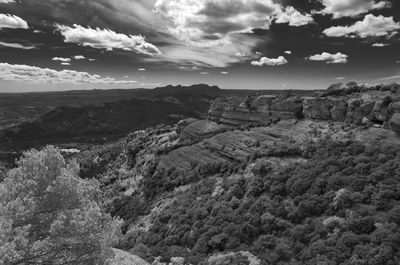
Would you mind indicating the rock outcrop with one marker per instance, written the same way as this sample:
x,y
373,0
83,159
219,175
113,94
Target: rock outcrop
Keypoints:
x,y
366,106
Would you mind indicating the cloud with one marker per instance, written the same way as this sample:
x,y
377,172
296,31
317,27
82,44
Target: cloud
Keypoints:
x,y
218,56
142,69
7,1
79,57
63,63
33,74
106,39
329,58
17,45
189,68
61,59
240,54
204,73
12,22
371,26
379,45
217,33
294,17
209,22
350,8
92,60
392,77
270,61
288,52
224,73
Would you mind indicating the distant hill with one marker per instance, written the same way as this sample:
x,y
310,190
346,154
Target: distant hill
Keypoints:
x,y
96,116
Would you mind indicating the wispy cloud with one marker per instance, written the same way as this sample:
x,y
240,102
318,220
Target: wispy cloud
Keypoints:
x,y
61,59
106,39
12,22
351,8
17,45
33,74
79,57
379,45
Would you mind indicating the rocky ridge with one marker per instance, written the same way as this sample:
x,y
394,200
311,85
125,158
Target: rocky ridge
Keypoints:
x,y
378,106
158,168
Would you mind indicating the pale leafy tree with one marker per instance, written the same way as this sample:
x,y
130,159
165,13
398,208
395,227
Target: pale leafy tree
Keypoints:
x,y
48,215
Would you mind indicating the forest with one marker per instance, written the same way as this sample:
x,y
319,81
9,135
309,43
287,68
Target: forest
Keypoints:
x,y
340,207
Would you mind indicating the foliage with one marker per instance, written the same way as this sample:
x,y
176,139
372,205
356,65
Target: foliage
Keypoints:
x,y
48,215
340,207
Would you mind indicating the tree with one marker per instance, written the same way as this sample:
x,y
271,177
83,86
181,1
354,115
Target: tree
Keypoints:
x,y
48,215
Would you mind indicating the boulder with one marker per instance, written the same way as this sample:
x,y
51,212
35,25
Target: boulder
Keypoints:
x,y
394,123
339,109
358,109
380,112
394,107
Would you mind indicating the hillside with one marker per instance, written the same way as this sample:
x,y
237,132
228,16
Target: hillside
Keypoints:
x,y
264,180
76,119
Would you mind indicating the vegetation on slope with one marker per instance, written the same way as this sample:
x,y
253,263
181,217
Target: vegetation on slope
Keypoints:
x,y
340,207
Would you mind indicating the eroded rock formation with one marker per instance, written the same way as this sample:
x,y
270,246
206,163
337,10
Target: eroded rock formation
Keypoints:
x,y
367,107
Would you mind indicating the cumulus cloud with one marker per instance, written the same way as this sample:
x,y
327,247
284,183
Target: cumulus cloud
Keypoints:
x,y
371,26
106,39
61,59
293,17
224,73
270,61
33,74
7,1
12,22
79,57
209,33
350,8
288,52
329,58
17,45
142,69
64,63
379,45
209,22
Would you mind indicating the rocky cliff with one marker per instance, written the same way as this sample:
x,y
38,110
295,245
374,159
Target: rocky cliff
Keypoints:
x,y
373,106
306,171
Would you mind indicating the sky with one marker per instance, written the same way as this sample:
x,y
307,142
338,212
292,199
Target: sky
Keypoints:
x,y
54,45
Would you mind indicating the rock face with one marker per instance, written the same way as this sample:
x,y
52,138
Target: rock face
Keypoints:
x,y
394,121
368,108
325,108
261,110
198,130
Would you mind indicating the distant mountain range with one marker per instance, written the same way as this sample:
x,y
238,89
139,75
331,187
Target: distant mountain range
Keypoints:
x,y
96,116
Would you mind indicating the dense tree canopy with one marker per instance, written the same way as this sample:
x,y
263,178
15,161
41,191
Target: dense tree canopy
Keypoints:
x,y
48,215
341,206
